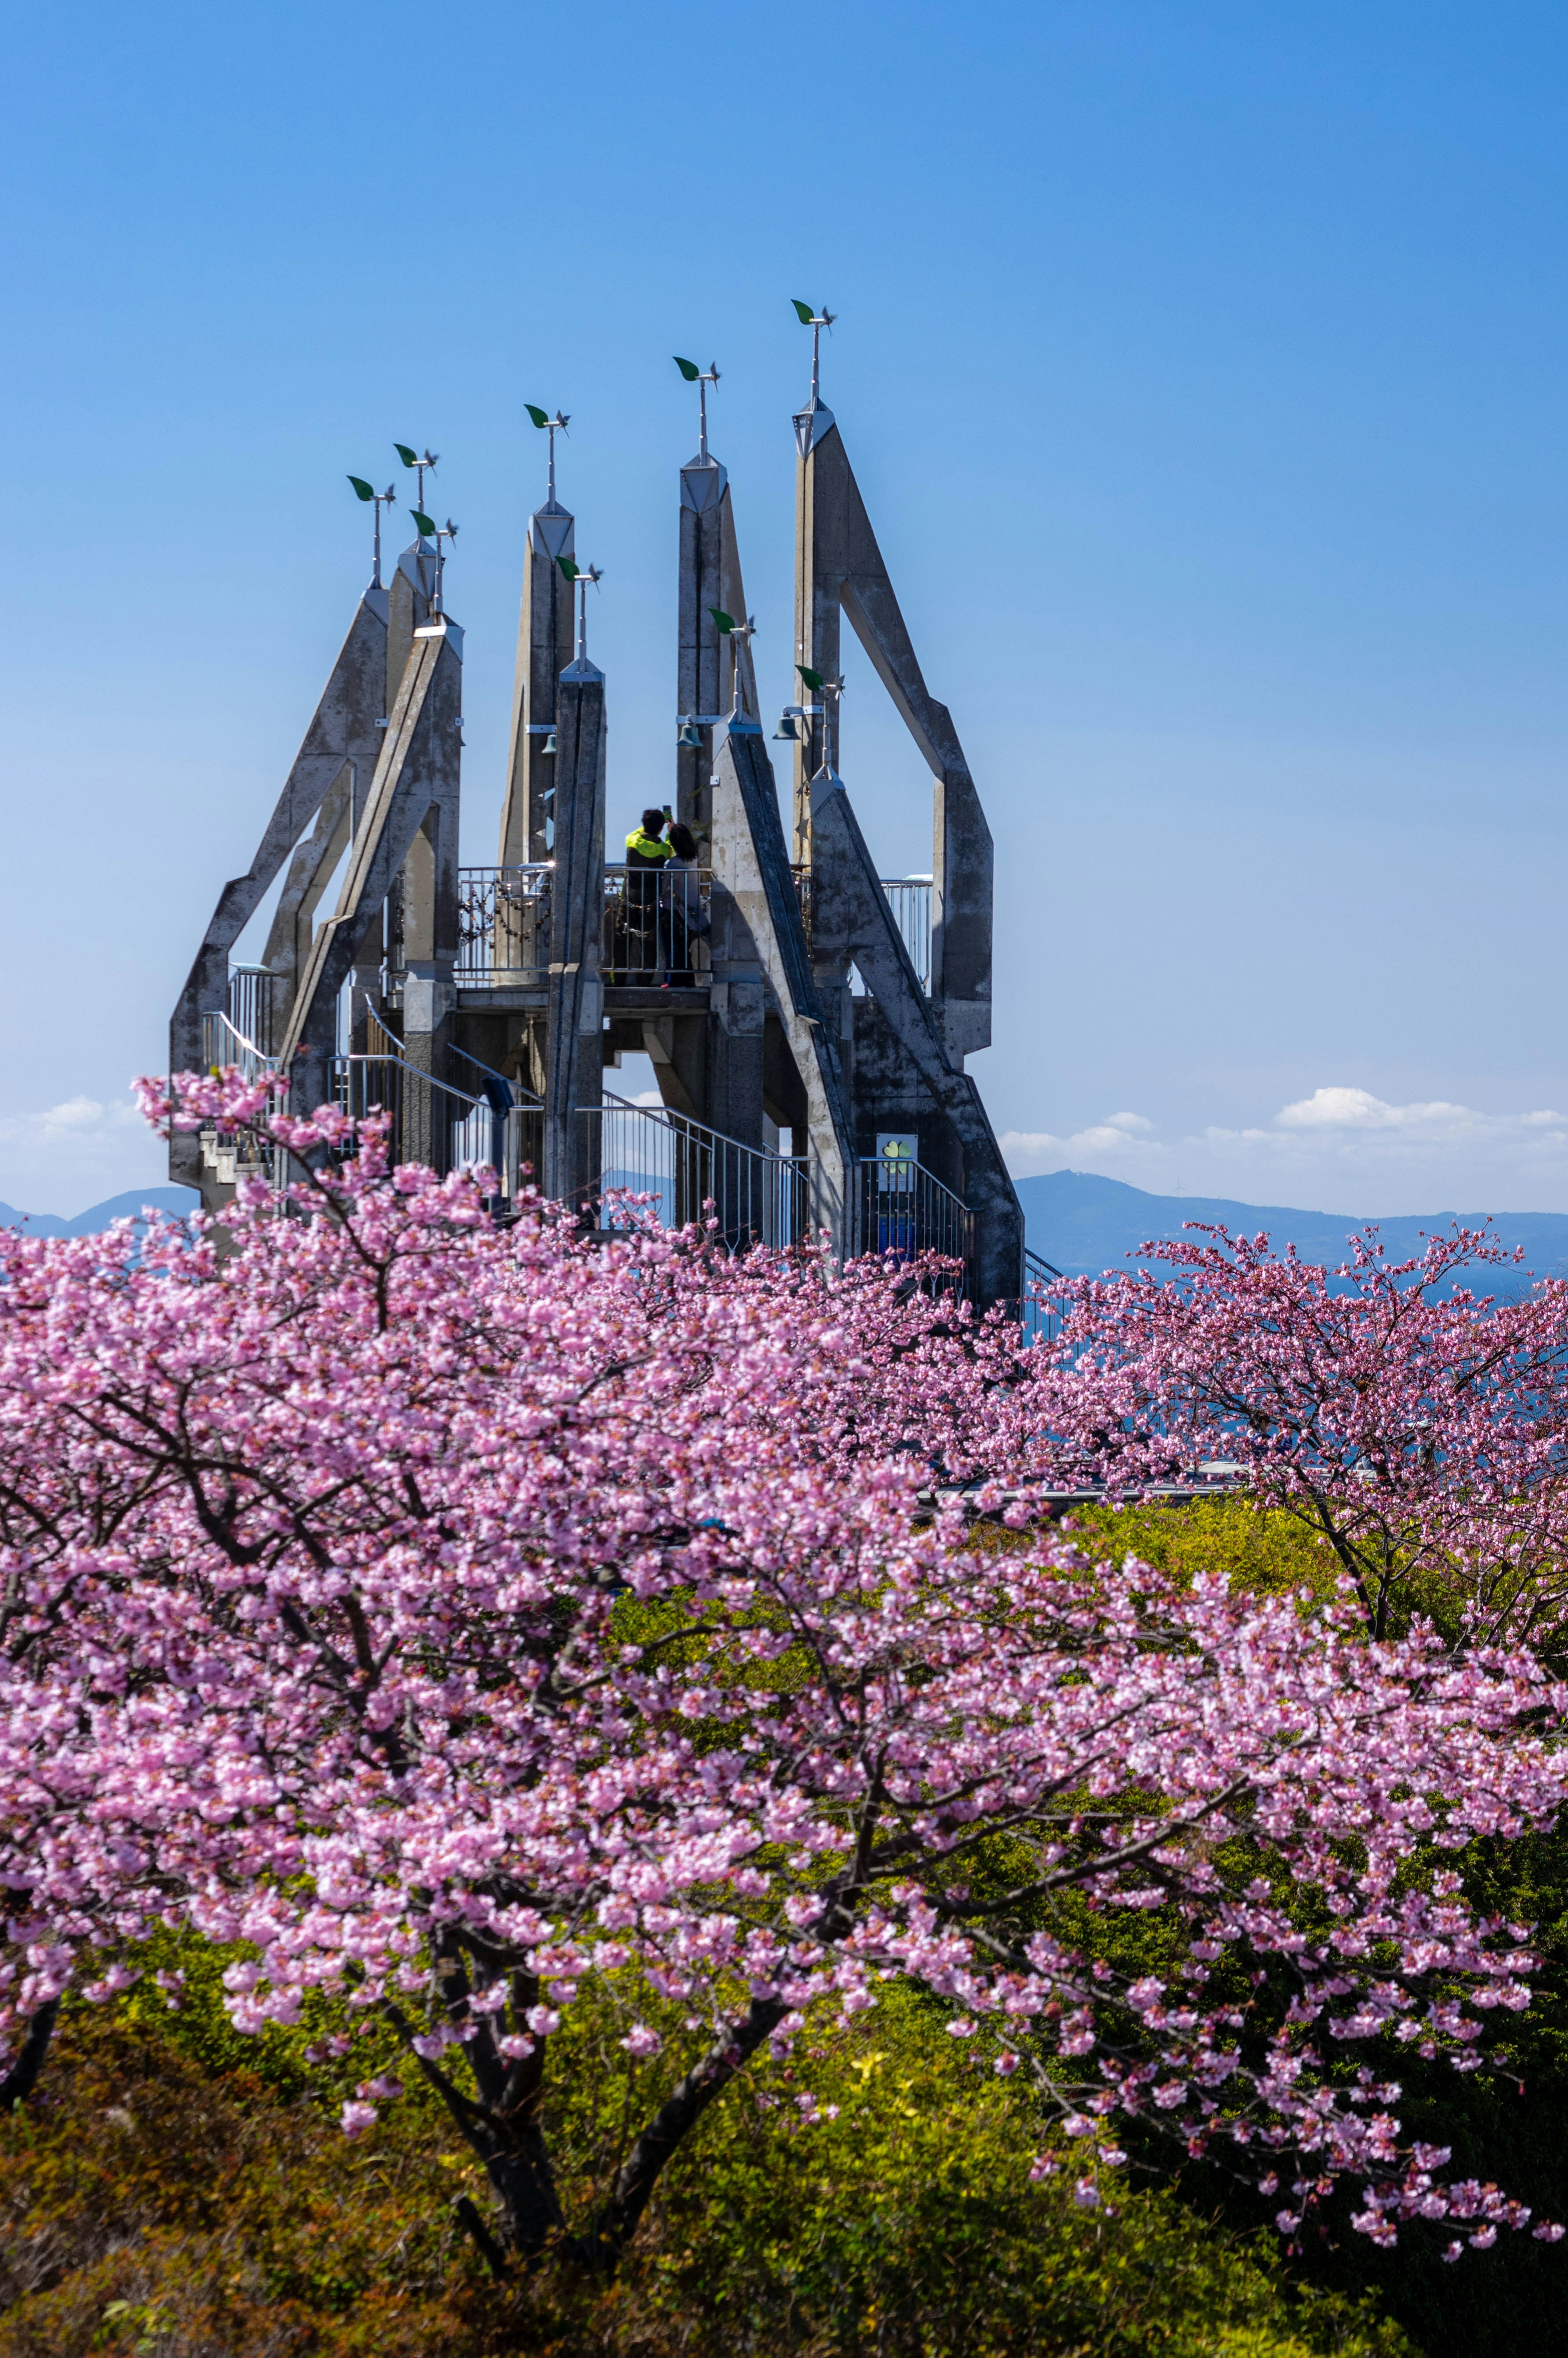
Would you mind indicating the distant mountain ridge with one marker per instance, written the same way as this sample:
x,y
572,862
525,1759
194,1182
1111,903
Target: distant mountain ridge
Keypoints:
x,y
1082,1223
1086,1224
99,1216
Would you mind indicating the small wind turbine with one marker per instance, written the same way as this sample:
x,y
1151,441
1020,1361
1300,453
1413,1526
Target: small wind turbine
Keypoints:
x,y
412,459
702,379
552,426
379,499
738,634
580,575
816,321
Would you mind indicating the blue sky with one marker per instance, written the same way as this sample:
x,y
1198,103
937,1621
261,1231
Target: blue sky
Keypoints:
x,y
1202,367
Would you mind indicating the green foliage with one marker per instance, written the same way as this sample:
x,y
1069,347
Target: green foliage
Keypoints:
x,y
178,2190
1263,1550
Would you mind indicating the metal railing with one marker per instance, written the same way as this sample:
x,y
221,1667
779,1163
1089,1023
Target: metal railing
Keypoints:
x,y
908,898
694,1173
251,1004
427,1114
504,923
1043,1309
224,1043
656,922
900,1208
233,1154
911,898
655,926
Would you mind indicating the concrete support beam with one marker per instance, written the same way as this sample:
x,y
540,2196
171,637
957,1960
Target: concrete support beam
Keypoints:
x,y
850,915
839,566
342,728
709,576
574,1028
413,794
751,865
544,652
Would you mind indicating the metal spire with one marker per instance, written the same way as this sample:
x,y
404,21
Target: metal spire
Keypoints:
x,y
702,379
552,426
580,576
447,531
739,635
379,499
812,422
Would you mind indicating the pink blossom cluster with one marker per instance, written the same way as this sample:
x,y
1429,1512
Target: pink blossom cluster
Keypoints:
x,y
455,1615
1420,1430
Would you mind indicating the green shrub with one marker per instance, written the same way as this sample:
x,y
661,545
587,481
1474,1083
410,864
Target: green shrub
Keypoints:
x,y
181,2192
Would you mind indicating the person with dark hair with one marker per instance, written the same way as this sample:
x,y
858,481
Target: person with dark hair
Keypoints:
x,y
684,918
646,853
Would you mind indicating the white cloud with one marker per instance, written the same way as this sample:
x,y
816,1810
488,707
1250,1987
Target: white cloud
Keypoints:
x,y
1026,1151
66,1156
70,1123
1359,1110
1340,1146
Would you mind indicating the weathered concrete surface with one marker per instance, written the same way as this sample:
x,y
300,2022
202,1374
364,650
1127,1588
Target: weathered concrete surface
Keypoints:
x,y
574,1050
839,566
709,576
544,651
342,728
751,866
414,795
850,914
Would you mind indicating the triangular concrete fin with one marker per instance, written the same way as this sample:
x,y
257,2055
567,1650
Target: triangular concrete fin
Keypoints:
x,y
838,551
416,767
851,921
309,873
341,728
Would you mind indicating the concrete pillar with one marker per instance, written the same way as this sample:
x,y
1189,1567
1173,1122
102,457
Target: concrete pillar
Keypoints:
x,y
767,955
574,1006
709,576
544,652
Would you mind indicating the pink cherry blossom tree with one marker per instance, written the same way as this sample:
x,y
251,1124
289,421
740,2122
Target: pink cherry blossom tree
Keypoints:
x,y
1418,1429
456,1617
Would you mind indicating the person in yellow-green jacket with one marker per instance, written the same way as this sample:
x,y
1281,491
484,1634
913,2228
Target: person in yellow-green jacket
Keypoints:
x,y
646,852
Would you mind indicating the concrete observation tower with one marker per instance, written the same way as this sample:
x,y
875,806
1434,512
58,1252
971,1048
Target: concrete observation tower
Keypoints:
x,y
807,1018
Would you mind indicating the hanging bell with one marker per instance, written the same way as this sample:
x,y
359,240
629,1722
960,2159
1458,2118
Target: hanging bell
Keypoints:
x,y
690,735
788,730
548,746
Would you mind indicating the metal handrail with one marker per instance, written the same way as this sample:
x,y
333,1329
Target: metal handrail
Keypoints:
x,y
904,1210
1040,1312
912,900
655,919
516,1094
220,1036
753,1194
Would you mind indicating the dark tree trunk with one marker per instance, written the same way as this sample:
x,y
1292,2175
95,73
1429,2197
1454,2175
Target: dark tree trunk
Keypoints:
x,y
23,2077
675,2120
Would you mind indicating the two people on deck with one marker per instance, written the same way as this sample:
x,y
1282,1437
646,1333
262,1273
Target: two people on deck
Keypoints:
x,y
664,902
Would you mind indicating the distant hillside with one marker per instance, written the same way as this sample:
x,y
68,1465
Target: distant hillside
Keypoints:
x,y
99,1216
1086,1224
